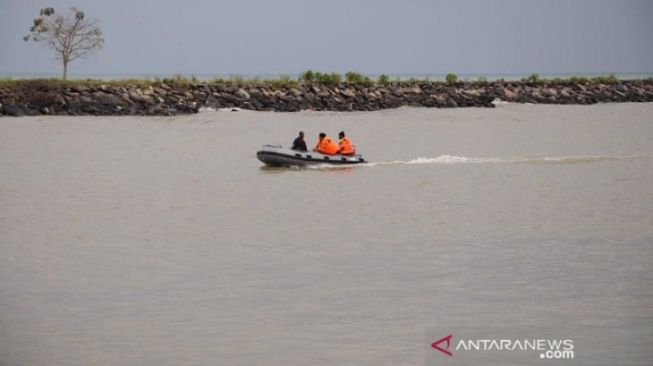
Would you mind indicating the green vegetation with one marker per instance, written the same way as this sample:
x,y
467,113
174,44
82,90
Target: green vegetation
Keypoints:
x,y
606,79
536,79
383,79
356,78
308,77
533,78
284,80
451,78
579,80
326,78
51,83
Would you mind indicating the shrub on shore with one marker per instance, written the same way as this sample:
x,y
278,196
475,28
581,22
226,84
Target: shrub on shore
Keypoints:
x,y
317,77
383,79
308,76
533,79
451,78
356,78
327,78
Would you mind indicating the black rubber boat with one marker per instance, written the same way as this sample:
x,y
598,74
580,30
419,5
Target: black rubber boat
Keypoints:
x,y
281,156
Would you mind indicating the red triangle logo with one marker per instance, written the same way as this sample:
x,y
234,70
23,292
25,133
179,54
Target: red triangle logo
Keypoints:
x,y
444,350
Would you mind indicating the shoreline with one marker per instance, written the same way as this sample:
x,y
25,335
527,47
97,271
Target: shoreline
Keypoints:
x,y
181,96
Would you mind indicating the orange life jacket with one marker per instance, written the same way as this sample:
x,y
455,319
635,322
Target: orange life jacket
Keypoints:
x,y
327,146
346,147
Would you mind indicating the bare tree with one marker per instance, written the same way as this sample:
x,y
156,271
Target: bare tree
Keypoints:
x,y
71,36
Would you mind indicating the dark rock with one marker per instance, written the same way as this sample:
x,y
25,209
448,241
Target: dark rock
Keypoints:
x,y
79,88
13,110
105,98
156,110
147,99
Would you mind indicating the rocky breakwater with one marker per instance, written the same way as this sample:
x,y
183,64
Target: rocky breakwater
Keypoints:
x,y
46,97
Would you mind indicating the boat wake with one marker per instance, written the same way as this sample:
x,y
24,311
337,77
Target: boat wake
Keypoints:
x,y
533,160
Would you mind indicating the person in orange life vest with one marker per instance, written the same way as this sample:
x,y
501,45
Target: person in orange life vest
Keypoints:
x,y
325,145
345,145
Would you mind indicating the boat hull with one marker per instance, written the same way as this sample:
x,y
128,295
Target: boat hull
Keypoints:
x,y
279,156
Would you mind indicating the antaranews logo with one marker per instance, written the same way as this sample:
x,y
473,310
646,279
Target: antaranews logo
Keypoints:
x,y
437,345
547,348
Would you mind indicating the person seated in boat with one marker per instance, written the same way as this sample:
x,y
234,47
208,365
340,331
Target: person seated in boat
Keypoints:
x,y
325,145
299,144
345,147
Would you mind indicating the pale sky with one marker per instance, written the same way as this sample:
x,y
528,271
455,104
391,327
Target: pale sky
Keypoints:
x,y
157,37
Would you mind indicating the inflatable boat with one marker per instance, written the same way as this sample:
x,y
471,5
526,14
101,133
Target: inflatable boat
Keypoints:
x,y
281,156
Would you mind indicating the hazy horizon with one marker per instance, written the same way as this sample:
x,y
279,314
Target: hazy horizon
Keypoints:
x,y
470,37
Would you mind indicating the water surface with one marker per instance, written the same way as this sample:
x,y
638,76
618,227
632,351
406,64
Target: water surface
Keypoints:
x,y
149,241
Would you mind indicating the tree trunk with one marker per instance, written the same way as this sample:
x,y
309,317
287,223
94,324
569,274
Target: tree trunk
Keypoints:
x,y
65,69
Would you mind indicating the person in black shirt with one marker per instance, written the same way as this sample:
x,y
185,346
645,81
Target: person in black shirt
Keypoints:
x,y
299,143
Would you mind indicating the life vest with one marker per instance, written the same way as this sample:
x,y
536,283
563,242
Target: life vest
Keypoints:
x,y
327,146
346,147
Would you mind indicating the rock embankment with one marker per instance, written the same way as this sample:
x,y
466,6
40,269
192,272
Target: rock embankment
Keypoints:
x,y
51,98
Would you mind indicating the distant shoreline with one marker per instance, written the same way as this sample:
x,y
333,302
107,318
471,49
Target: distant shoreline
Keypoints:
x,y
210,77
319,92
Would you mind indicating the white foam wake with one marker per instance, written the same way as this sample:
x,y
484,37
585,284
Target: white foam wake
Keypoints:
x,y
442,159
456,159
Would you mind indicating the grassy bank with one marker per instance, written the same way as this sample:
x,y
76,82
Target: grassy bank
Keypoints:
x,y
308,77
